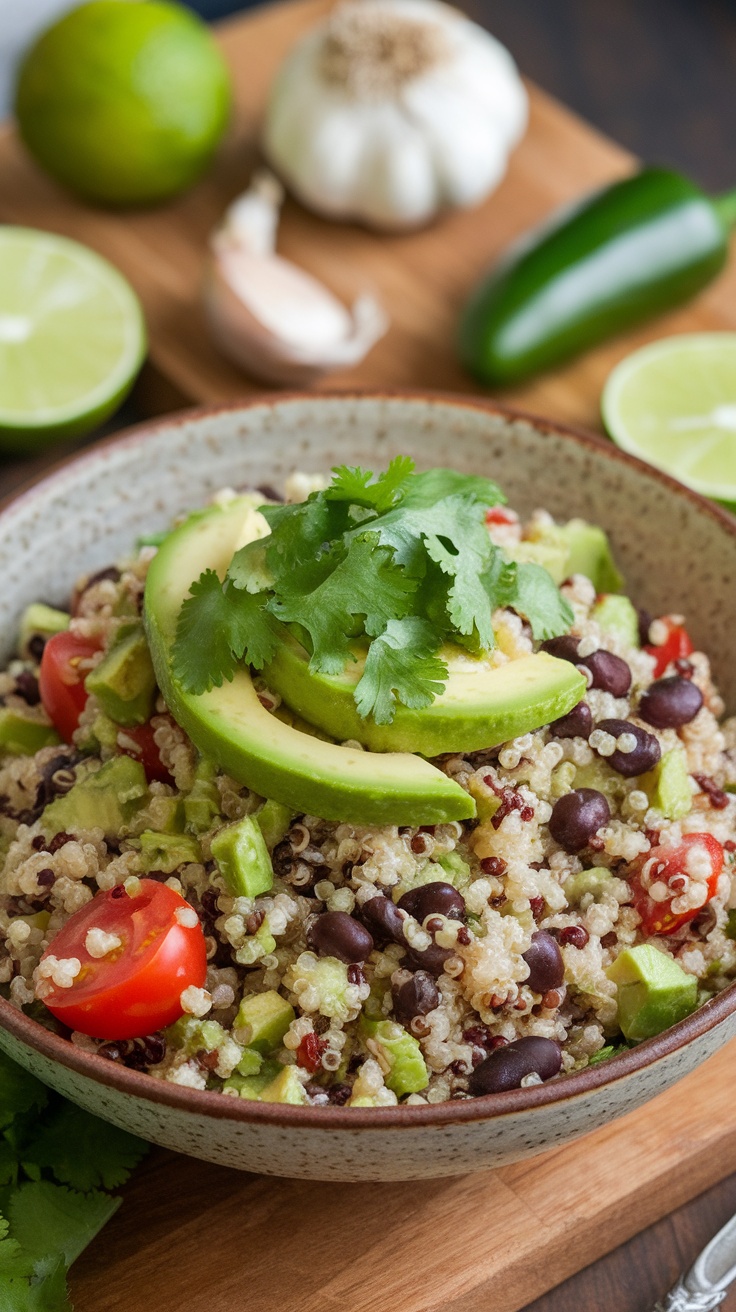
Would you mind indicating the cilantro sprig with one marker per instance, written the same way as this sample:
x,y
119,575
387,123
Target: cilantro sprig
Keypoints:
x,y
396,564
55,1163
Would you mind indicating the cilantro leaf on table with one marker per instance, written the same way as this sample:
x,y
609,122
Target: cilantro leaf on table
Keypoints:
x,y
366,583
401,665
219,627
19,1092
109,1154
46,1292
49,1219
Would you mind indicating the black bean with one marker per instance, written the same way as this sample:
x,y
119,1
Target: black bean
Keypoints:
x,y
26,686
505,1068
432,959
609,673
645,622
565,648
35,645
670,702
645,754
577,816
435,899
383,919
112,573
544,959
415,997
576,724
336,934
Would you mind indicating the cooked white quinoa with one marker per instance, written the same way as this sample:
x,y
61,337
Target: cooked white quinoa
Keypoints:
x,y
516,882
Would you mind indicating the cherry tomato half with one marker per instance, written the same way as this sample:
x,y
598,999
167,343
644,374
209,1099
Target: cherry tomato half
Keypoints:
x,y
134,989
147,753
676,646
61,682
697,860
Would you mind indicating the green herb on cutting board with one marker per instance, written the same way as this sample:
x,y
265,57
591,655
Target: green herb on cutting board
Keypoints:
x,y
621,256
57,1164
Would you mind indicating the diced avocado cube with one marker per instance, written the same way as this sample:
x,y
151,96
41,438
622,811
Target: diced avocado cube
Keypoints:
x,y
454,868
264,1019
257,945
106,799
252,1086
587,881
654,992
192,1035
486,804
40,621
589,553
20,735
242,858
250,1063
286,1087
668,785
273,820
163,814
167,852
124,682
202,803
408,1071
552,556
615,614
599,775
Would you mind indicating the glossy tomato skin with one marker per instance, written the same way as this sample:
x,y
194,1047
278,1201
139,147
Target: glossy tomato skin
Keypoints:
x,y
668,865
147,753
677,646
136,988
61,682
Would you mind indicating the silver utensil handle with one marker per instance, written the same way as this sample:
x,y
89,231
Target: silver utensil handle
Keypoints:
x,y
681,1299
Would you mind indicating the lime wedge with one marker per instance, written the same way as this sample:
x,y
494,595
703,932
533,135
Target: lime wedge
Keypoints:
x,y
72,338
673,404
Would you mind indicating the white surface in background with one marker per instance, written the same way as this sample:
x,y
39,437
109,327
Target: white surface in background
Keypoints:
x,y
20,21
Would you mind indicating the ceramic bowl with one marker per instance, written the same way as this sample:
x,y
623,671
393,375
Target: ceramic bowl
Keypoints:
x,y
678,553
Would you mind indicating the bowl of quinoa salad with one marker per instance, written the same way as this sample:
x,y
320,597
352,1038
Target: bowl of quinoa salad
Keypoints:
x,y
335,922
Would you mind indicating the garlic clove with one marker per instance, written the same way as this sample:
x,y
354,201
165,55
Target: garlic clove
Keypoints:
x,y
271,317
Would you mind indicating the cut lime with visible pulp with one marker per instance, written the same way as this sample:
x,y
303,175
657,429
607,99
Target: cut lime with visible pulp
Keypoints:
x,y
72,338
673,404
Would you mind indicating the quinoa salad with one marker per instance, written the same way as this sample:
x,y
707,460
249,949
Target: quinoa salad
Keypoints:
x,y
467,921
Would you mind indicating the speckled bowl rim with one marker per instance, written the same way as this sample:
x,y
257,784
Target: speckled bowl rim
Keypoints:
x,y
211,1104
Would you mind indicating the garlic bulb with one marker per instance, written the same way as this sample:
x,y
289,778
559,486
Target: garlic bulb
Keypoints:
x,y
267,315
391,110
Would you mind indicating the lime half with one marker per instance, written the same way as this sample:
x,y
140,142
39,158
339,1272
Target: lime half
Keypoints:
x,y
72,338
673,404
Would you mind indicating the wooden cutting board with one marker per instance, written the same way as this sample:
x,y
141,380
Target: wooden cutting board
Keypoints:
x,y
211,1240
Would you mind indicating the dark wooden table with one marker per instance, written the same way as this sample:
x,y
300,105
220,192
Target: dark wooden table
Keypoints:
x,y
659,76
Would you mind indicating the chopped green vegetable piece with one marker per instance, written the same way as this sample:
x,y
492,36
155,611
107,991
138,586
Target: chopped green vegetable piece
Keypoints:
x,y
730,930
20,735
605,1054
286,1088
273,820
407,1068
264,1018
242,858
654,992
167,852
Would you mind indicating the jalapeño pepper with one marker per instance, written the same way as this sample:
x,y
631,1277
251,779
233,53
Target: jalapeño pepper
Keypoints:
x,y
622,255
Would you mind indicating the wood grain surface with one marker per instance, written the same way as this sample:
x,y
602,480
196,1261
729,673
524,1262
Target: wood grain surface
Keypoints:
x,y
211,1240
422,277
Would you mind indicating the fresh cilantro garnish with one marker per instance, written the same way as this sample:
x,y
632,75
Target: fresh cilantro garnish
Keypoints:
x,y
45,1145
399,564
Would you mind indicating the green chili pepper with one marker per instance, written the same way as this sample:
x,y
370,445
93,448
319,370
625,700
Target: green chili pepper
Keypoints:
x,y
624,254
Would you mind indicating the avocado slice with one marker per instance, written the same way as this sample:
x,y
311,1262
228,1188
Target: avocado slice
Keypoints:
x,y
265,1017
408,1070
668,785
230,725
615,614
482,704
106,799
22,735
40,621
242,858
654,992
124,682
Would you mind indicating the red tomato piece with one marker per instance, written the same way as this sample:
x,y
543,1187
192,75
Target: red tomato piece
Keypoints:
x,y
677,646
501,515
696,861
147,753
61,681
136,988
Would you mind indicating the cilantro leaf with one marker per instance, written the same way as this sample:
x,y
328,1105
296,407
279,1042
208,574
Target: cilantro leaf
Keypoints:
x,y
365,583
46,1293
48,1219
401,665
218,627
302,537
355,486
535,595
108,1156
19,1091
434,485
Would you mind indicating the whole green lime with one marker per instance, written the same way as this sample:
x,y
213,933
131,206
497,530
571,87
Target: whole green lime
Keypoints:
x,y
124,101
